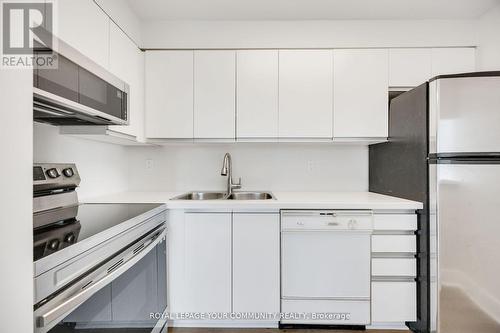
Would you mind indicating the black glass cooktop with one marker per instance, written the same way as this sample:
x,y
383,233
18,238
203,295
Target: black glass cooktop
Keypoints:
x,y
86,220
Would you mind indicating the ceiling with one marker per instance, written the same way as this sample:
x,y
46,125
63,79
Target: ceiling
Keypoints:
x,y
309,9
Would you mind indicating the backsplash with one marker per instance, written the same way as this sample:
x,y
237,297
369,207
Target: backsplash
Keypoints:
x,y
262,166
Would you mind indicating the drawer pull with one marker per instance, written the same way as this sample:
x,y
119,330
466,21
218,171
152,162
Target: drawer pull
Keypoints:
x,y
333,224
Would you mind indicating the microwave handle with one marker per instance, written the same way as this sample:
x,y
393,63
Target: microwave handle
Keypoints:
x,y
73,301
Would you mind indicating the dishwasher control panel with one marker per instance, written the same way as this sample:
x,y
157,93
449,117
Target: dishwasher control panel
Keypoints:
x,y
326,220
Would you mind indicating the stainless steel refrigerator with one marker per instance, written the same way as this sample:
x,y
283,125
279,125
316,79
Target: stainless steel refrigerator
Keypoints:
x,y
444,150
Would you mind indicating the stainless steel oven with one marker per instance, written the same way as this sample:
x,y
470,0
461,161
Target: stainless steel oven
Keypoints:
x,y
96,266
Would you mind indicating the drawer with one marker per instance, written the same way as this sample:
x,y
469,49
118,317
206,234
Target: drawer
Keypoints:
x,y
394,267
341,312
395,222
394,243
394,302
326,220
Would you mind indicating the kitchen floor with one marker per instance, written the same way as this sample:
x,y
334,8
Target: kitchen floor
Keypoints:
x,y
231,330
272,330
462,315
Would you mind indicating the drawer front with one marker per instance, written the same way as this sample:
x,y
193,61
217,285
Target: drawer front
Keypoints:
x,y
339,312
326,220
394,302
395,222
394,243
394,267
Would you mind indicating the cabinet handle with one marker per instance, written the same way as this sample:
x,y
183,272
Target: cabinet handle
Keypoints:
x,y
333,224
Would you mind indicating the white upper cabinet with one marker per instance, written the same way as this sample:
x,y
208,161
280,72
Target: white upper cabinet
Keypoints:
x,y
214,94
84,26
169,94
257,94
305,93
127,62
453,60
409,67
360,88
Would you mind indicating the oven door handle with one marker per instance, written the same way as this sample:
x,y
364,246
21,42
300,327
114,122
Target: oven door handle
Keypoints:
x,y
48,319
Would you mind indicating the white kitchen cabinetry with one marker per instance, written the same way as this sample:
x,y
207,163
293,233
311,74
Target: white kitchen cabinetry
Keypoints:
x,y
394,269
305,93
256,262
169,94
84,26
360,88
257,94
214,94
394,302
409,67
453,60
207,262
127,62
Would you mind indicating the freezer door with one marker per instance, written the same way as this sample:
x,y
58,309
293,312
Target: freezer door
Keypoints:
x,y
464,115
467,223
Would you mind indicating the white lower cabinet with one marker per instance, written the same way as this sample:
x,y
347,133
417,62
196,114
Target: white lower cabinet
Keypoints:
x,y
394,243
394,302
256,262
394,269
207,262
224,262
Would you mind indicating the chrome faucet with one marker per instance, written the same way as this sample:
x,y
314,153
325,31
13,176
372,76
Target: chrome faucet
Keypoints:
x,y
227,166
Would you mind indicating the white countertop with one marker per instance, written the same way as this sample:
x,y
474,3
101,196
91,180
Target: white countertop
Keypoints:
x,y
284,200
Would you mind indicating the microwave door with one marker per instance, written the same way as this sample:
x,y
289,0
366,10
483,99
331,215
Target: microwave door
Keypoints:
x,y
101,95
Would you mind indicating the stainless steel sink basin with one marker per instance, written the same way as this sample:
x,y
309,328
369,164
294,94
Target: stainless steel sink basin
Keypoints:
x,y
209,195
201,196
251,196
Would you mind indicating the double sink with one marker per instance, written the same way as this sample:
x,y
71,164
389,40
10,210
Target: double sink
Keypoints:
x,y
240,195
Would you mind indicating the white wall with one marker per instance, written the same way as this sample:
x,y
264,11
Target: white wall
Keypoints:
x,y
488,40
16,198
276,167
102,167
307,34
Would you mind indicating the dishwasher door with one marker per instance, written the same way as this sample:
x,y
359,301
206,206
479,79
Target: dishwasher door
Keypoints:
x,y
326,255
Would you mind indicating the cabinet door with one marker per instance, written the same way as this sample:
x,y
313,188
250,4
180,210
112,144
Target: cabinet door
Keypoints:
x,y
305,93
256,262
84,26
257,94
360,88
453,60
208,262
394,302
409,67
169,94
127,62
214,94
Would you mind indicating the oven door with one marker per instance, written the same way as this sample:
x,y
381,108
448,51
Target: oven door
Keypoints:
x,y
127,291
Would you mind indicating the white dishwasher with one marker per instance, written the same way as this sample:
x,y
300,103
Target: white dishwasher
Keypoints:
x,y
325,267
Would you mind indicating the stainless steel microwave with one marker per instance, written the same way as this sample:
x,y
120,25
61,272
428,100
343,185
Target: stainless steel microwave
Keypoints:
x,y
77,91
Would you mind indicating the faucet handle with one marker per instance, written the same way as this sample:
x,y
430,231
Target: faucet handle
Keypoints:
x,y
238,184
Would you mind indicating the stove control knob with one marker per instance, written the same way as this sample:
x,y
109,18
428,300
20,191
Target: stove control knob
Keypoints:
x,y
52,173
69,238
54,244
68,172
